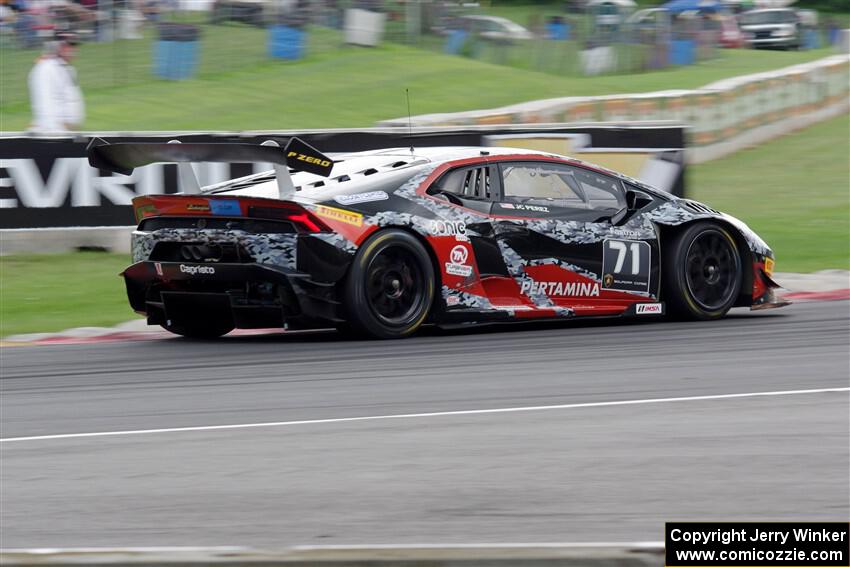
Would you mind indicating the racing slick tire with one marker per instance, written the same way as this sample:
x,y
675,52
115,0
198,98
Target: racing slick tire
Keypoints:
x,y
200,331
703,275
390,287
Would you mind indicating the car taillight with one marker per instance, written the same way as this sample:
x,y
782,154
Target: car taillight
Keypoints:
x,y
302,219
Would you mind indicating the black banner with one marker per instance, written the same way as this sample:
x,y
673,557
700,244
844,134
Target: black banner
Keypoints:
x,y
757,544
47,182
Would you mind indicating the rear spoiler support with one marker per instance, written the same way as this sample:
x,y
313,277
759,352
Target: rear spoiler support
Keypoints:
x,y
125,157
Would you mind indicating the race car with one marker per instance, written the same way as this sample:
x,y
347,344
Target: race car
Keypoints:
x,y
383,242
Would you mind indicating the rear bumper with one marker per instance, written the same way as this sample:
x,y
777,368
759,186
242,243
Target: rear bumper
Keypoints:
x,y
249,296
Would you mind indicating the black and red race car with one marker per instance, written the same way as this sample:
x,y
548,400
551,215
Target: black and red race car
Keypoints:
x,y
385,241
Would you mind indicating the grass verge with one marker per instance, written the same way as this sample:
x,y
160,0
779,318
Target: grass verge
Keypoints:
x,y
52,292
792,191
336,86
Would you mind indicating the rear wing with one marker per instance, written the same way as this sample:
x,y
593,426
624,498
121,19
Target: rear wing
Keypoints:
x,y
125,157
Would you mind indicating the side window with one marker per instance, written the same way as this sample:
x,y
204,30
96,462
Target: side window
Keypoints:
x,y
601,191
552,184
469,182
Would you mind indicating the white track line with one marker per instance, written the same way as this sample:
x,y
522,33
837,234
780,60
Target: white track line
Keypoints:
x,y
452,546
428,414
354,547
151,549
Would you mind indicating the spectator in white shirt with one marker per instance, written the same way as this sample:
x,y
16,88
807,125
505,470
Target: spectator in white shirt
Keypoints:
x,y
55,96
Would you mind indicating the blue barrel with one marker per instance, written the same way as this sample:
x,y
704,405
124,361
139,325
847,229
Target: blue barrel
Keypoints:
x,y
682,52
176,52
558,30
811,39
455,41
286,42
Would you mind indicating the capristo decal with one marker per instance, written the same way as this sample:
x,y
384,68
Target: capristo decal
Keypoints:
x,y
361,197
196,270
560,288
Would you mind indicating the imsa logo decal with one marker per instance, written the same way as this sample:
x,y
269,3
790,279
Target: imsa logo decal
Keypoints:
x,y
648,309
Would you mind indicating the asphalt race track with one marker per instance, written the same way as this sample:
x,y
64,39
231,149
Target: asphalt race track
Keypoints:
x,y
589,470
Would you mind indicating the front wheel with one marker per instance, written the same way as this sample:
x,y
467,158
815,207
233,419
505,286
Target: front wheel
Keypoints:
x,y
701,273
390,287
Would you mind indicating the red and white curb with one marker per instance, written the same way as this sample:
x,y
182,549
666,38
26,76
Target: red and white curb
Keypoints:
x,y
826,285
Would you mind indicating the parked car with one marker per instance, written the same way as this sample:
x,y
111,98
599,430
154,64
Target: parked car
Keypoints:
x,y
496,28
775,27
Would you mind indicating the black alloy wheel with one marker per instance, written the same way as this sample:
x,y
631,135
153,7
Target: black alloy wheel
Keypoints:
x,y
711,269
390,287
702,272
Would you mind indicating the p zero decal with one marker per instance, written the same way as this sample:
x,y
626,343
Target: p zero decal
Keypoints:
x,y
626,265
332,213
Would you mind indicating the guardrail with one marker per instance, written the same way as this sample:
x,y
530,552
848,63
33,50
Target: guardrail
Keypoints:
x,y
723,116
642,554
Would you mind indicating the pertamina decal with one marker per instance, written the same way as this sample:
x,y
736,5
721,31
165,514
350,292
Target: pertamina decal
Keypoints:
x,y
457,264
348,217
564,289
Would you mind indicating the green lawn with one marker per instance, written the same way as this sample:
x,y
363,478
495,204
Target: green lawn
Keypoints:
x,y
794,192
238,88
52,292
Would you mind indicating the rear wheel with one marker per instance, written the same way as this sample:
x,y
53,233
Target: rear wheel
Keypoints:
x,y
390,287
702,272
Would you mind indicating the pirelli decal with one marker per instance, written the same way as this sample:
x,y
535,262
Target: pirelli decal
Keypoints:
x,y
340,215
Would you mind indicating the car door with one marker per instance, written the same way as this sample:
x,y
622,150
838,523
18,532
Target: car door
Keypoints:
x,y
553,224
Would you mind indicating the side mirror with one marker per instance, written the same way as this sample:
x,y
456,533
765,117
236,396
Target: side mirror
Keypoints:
x,y
631,200
634,202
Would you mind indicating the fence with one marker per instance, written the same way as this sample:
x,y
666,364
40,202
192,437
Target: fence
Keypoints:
x,y
127,42
716,113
